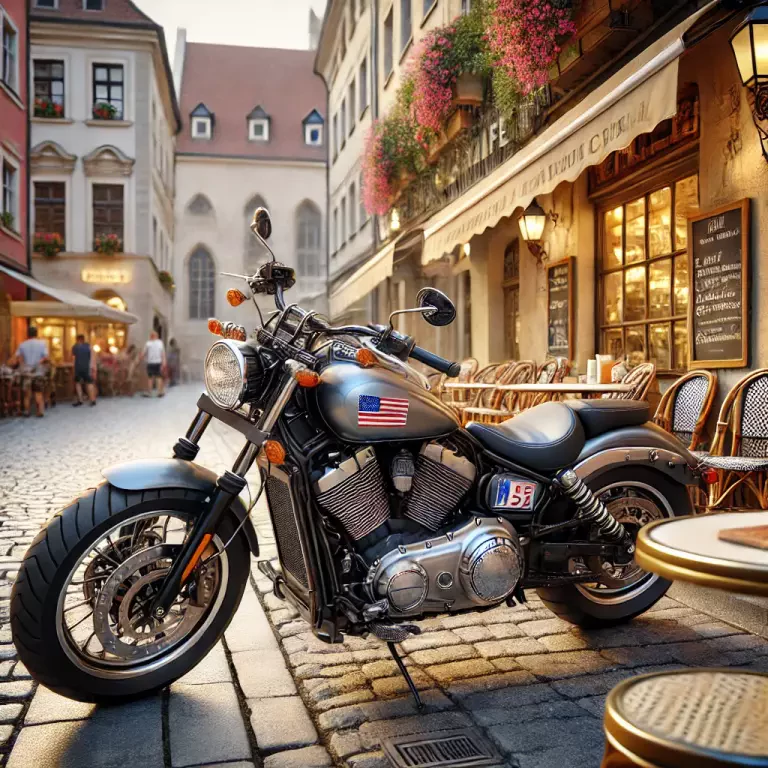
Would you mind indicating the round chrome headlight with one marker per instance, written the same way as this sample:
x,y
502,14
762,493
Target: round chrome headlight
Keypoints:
x,y
233,372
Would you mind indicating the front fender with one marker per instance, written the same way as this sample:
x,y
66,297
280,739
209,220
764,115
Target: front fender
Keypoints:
x,y
646,444
154,474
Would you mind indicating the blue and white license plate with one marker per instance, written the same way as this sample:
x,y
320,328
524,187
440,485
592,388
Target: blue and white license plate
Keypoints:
x,y
512,493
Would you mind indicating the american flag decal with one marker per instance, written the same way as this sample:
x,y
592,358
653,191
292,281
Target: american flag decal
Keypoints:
x,y
381,411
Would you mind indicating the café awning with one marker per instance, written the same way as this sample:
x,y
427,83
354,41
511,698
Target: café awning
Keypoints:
x,y
363,281
66,303
632,102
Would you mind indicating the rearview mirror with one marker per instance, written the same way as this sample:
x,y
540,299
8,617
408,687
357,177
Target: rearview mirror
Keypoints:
x,y
261,224
442,311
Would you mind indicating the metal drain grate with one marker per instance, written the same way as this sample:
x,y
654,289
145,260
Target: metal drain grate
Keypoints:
x,y
457,749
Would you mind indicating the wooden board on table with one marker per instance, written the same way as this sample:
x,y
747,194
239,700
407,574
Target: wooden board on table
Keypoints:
x,y
755,536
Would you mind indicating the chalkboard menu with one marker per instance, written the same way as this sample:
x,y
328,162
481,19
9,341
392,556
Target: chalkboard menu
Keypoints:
x,y
560,309
718,312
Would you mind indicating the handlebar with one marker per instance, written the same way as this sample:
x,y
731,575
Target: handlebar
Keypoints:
x,y
435,361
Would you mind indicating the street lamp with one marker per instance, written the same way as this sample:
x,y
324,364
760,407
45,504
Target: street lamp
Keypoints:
x,y
750,47
532,228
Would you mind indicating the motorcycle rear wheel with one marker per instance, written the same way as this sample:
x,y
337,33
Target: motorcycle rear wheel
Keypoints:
x,y
98,561
595,606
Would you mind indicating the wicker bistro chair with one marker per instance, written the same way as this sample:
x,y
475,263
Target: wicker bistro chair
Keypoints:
x,y
689,718
553,371
458,398
641,377
495,405
742,475
685,407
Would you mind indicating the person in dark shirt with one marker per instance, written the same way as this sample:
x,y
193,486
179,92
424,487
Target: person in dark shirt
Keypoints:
x,y
85,364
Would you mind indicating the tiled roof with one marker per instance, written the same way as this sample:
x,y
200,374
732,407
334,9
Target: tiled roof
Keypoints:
x,y
232,80
115,12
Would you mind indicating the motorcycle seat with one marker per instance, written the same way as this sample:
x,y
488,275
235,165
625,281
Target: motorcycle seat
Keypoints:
x,y
601,416
545,438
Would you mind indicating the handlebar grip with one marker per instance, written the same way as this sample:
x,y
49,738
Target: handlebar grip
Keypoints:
x,y
435,361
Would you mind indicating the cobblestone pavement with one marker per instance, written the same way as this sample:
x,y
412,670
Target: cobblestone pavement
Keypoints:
x,y
273,694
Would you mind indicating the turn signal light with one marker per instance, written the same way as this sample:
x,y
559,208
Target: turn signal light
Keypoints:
x,y
215,327
710,475
306,378
235,298
365,357
274,452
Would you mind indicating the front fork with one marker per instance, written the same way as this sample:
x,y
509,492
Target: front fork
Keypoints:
x,y
228,487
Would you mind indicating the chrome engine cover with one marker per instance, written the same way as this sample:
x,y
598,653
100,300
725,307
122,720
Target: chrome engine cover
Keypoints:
x,y
478,563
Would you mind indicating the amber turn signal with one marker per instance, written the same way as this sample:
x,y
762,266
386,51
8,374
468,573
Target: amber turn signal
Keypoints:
x,y
235,298
215,327
709,475
238,333
365,357
274,452
306,378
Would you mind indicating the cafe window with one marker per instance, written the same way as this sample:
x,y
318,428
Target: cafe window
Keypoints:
x,y
643,269
511,286
108,211
50,208
108,88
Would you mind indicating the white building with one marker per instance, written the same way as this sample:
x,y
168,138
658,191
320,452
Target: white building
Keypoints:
x,y
254,134
104,120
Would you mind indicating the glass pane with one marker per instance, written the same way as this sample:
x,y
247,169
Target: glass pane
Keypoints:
x,y
612,298
686,204
660,220
681,285
634,294
57,69
116,74
659,288
681,346
102,92
613,238
658,338
42,69
117,92
635,245
101,74
613,343
57,87
636,345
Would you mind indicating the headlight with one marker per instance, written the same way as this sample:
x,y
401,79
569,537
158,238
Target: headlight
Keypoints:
x,y
233,373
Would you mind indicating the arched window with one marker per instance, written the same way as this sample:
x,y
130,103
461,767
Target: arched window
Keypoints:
x,y
254,251
200,205
202,285
309,246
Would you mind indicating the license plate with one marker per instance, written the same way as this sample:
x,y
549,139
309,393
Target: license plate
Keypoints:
x,y
514,494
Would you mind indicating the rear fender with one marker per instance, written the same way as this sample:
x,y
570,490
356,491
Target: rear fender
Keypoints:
x,y
154,474
646,445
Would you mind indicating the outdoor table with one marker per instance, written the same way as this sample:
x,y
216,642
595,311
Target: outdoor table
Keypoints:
x,y
562,388
690,549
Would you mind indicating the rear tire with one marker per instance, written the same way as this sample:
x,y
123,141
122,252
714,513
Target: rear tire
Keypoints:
x,y
584,607
47,570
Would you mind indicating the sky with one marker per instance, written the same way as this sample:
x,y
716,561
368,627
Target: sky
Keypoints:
x,y
262,23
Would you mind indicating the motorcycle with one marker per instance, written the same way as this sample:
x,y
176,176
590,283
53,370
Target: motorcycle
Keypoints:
x,y
385,509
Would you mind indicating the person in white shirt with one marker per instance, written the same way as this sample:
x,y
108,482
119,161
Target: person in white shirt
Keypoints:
x,y
154,354
32,355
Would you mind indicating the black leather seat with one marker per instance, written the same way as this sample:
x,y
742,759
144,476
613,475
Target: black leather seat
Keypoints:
x,y
600,416
545,438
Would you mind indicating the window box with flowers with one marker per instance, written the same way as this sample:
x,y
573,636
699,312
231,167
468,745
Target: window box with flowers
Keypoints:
x,y
103,110
108,244
48,109
49,244
7,219
166,280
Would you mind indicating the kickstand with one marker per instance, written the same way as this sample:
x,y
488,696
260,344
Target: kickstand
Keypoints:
x,y
408,678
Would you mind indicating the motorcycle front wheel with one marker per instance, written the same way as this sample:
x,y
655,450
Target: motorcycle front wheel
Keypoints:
x,y
77,607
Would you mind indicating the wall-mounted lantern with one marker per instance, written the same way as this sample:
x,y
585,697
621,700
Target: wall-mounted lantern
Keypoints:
x,y
532,224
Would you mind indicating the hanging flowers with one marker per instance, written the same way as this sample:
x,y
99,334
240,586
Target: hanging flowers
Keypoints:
x,y
49,244
523,36
108,244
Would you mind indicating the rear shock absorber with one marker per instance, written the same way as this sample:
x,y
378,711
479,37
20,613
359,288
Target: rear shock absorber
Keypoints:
x,y
590,509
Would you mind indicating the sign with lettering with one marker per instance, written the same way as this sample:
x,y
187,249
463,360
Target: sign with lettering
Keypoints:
x,y
560,309
111,275
718,265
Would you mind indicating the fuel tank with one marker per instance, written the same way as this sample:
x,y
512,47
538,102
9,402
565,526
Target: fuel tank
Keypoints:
x,y
370,405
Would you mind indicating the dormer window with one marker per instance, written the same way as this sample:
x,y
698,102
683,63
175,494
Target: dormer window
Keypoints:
x,y
313,129
258,125
201,122
93,5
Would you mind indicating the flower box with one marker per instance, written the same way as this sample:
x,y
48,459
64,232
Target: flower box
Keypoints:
x,y
48,244
468,90
102,110
166,280
108,244
459,121
48,109
7,219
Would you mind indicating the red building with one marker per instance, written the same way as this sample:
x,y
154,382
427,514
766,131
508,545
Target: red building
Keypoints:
x,y
14,195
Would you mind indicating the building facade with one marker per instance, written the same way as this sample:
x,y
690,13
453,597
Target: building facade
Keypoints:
x,y
104,120
13,160
263,143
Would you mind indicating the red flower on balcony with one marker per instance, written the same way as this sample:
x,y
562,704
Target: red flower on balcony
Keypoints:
x,y
103,110
108,244
48,108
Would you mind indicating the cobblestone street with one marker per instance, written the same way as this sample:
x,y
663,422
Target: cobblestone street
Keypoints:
x,y
271,694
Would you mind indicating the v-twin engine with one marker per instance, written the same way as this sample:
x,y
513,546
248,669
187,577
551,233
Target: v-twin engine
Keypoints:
x,y
477,563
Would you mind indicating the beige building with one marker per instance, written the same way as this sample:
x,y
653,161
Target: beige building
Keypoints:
x,y
262,143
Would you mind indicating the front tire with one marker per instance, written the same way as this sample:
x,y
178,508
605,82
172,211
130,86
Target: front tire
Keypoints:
x,y
590,606
46,639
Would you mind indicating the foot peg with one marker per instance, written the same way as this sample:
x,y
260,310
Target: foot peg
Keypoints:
x,y
268,570
393,633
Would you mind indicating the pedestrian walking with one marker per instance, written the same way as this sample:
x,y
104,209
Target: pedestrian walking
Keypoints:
x,y
174,362
154,355
85,369
32,357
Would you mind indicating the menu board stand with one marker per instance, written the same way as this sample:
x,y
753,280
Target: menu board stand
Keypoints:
x,y
560,308
718,300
